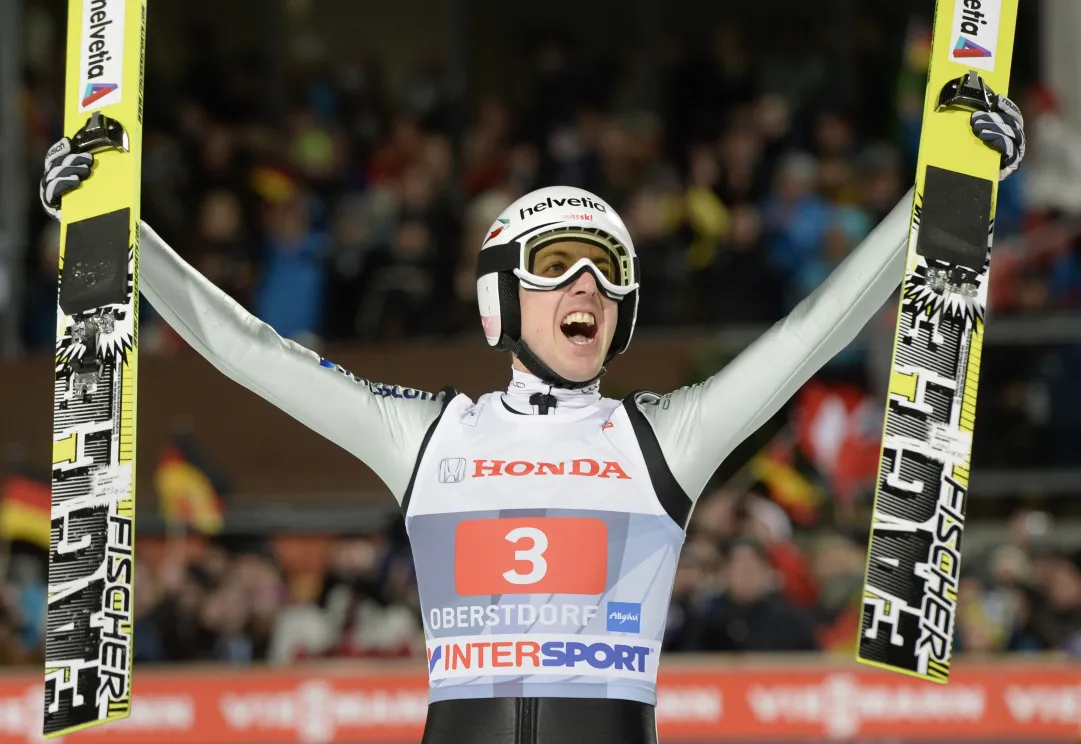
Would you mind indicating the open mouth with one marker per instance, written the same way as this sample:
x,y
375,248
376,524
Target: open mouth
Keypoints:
x,y
580,328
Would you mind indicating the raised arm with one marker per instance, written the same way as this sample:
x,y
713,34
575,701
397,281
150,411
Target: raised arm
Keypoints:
x,y
381,425
698,426
701,424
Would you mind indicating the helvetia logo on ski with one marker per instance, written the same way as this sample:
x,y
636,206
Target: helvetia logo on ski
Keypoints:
x,y
966,49
101,64
975,33
96,91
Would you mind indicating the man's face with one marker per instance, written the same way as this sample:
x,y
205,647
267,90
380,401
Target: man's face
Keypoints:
x,y
570,329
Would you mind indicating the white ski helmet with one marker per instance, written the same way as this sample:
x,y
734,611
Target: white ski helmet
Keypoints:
x,y
537,219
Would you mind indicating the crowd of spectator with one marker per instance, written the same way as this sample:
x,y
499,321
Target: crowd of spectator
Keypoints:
x,y
748,581
356,212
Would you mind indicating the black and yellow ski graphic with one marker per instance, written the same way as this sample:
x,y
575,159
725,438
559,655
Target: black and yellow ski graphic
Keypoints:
x,y
88,647
914,559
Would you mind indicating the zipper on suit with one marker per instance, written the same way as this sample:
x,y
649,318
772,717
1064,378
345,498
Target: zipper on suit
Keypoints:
x,y
527,720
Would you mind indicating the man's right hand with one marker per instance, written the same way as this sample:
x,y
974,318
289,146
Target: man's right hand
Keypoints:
x,y
64,171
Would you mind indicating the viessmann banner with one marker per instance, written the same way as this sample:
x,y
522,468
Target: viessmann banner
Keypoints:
x,y
705,702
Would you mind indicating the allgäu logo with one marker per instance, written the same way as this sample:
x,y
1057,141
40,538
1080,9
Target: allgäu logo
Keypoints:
x,y
624,617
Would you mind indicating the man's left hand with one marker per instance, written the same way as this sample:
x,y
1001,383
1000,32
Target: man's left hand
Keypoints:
x,y
1002,129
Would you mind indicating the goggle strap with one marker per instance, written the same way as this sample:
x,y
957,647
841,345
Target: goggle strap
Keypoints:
x,y
505,257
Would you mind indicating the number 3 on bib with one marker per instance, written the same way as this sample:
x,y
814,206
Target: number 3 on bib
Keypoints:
x,y
534,555
531,555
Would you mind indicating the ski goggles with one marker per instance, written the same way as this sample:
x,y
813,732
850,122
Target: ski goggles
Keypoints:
x,y
545,261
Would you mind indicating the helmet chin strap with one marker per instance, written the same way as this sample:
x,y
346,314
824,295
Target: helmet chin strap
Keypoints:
x,y
533,363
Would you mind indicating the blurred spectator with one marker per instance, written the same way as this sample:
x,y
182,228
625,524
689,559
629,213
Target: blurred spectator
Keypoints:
x,y
740,286
795,216
1052,172
147,609
399,300
651,218
1065,286
729,184
290,292
696,579
13,651
1055,622
879,172
186,588
838,565
845,228
260,591
752,614
363,610
742,585
728,514
221,249
39,310
397,152
373,625
225,615
744,176
314,151
484,155
994,604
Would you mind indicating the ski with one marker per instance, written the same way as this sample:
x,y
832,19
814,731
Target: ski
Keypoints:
x,y
914,556
88,646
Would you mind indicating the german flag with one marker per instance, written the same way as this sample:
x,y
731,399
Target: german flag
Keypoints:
x,y
26,509
789,480
188,493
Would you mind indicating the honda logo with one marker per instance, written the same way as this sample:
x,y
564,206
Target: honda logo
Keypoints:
x,y
452,470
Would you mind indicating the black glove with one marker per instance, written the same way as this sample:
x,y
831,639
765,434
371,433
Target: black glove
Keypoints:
x,y
64,171
1002,129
